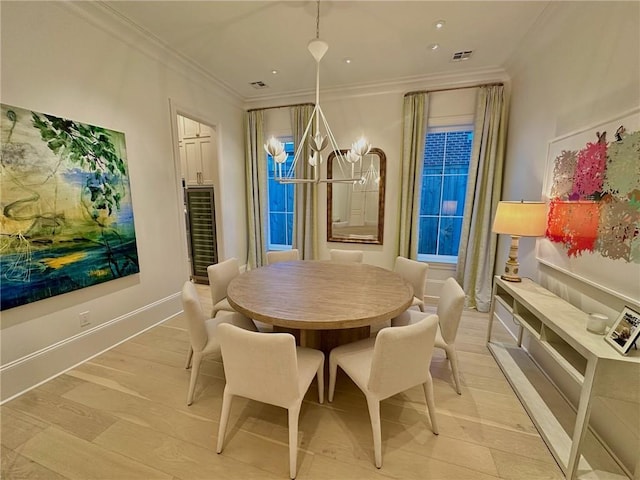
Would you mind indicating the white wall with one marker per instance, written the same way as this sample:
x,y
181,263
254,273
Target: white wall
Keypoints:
x,y
75,61
581,66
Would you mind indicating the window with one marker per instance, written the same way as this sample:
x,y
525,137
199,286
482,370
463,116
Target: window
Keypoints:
x,y
280,225
444,184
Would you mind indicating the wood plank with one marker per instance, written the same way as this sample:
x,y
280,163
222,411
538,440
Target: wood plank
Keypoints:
x,y
163,342
177,457
15,466
84,422
183,425
60,384
152,353
408,465
208,390
73,457
518,467
418,438
18,427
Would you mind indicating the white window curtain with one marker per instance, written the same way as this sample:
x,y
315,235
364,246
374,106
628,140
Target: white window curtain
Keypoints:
x,y
306,195
415,111
257,194
476,254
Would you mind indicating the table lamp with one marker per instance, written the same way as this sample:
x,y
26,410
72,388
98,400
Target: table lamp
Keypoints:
x,y
519,219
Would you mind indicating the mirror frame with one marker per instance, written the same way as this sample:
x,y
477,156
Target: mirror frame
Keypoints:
x,y
381,193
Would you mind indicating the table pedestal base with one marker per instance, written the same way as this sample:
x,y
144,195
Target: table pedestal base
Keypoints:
x,y
325,340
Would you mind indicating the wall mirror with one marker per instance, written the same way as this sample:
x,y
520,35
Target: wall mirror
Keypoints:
x,y
355,212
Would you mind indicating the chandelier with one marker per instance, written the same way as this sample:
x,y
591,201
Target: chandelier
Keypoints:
x,y
317,142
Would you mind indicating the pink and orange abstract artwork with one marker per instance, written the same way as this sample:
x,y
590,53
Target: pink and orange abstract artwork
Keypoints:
x,y
595,198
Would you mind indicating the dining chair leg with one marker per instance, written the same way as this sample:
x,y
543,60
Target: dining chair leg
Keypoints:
x,y
189,357
431,406
374,413
224,418
294,413
320,377
195,368
452,355
333,371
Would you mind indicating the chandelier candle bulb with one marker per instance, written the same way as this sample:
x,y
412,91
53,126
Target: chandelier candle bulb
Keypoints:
x,y
361,147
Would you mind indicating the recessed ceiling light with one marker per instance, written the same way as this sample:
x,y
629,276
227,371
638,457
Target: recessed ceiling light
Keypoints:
x,y
274,72
347,60
434,46
439,24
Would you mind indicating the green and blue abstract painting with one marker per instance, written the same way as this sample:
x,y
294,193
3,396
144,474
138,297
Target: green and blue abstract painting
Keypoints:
x,y
66,219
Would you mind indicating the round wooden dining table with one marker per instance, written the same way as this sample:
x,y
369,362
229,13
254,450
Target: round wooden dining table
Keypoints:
x,y
322,303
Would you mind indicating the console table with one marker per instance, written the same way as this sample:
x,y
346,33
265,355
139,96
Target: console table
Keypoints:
x,y
559,328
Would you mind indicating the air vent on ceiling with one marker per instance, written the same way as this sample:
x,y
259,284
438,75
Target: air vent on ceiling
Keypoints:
x,y
259,84
459,56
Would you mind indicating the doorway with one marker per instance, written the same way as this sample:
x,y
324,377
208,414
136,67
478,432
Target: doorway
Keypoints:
x,y
198,151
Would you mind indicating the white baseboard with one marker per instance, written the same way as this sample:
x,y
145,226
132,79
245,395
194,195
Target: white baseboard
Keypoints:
x,y
28,372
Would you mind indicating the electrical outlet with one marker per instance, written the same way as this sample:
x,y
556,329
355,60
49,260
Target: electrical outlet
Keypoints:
x,y
84,319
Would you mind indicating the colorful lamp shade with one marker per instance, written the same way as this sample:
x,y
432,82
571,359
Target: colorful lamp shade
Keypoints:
x,y
519,219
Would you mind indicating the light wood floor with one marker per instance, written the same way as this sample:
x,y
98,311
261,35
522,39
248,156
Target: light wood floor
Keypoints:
x,y
123,415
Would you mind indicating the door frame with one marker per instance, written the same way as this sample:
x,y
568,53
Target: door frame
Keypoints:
x,y
176,109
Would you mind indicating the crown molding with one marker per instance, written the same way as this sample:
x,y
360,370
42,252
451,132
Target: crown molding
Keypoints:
x,y
396,86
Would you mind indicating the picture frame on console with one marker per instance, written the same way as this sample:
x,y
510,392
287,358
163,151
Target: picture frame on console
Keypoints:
x,y
625,331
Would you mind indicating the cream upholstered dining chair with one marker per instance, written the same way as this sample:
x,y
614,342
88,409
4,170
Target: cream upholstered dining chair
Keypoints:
x,y
202,331
344,256
220,275
268,368
282,256
450,307
415,273
394,361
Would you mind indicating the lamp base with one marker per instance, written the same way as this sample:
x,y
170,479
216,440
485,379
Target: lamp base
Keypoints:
x,y
511,271
511,278
511,267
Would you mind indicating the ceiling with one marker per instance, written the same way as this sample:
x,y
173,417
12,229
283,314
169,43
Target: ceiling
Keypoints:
x,y
240,42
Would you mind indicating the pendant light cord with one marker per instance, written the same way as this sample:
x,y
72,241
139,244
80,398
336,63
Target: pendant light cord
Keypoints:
x,y
318,20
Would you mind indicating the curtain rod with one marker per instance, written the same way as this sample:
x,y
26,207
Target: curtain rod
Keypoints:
x,y
501,84
283,106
